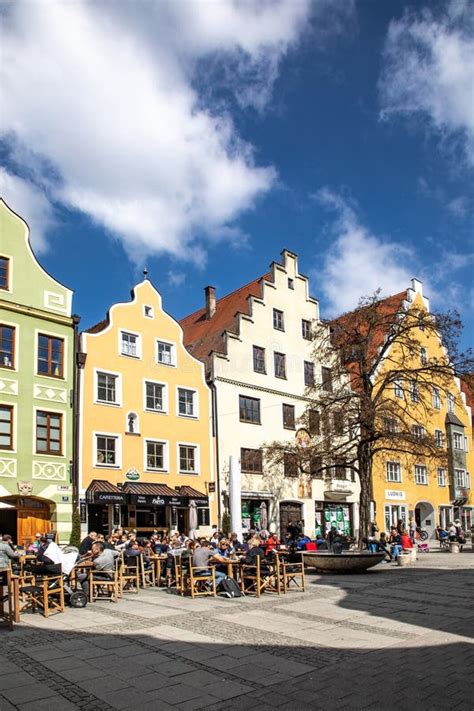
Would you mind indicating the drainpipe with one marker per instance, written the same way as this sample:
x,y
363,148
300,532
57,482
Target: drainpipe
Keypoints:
x,y
215,432
75,405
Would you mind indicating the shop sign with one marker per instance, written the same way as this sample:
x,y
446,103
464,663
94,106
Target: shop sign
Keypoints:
x,y
64,488
133,474
109,497
212,487
394,494
201,502
158,500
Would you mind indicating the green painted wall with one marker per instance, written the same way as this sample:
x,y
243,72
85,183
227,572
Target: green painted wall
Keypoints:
x,y
35,303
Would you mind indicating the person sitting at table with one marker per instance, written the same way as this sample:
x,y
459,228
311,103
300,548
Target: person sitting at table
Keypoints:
x,y
201,557
103,560
255,551
224,548
45,564
35,545
7,553
236,544
86,543
271,543
109,543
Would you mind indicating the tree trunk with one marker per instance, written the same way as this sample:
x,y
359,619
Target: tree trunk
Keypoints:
x,y
365,476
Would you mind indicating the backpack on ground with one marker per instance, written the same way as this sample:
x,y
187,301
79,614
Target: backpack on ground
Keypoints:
x,y
230,588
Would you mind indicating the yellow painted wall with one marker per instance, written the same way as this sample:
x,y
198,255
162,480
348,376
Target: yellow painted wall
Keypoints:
x,y
104,353
431,418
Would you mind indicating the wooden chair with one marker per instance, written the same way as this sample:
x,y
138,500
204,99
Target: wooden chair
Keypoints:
x,y
130,575
292,574
175,576
104,585
46,593
147,575
261,577
6,598
201,582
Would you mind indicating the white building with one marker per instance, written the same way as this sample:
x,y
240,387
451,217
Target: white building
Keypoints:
x,y
256,343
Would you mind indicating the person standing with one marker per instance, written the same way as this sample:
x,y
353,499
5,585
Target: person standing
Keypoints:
x,y
412,529
7,554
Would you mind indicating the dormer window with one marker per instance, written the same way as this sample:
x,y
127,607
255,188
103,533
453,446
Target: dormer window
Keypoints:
x,y
148,311
4,273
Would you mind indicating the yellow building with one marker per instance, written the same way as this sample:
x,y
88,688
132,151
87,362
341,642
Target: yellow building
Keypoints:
x,y
433,491
145,424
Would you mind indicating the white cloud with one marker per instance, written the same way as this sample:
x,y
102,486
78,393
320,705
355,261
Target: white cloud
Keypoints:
x,y
26,200
176,278
357,262
429,70
105,104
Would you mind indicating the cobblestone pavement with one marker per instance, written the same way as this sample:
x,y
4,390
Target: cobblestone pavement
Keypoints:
x,y
388,639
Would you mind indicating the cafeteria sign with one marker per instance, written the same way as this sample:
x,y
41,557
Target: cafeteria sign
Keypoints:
x,y
132,474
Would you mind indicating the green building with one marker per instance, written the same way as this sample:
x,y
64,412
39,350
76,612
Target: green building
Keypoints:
x,y
37,339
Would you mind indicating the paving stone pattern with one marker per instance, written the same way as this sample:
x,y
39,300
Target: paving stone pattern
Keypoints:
x,y
389,639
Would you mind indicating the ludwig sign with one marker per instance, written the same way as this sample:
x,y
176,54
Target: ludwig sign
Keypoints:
x,y
394,494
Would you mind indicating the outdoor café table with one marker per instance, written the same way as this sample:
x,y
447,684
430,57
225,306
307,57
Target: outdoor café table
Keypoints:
x,y
157,561
233,565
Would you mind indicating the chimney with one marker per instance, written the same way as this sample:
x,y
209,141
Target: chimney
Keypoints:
x,y
210,292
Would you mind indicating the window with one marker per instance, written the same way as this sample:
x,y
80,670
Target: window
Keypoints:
x,y
154,399
187,459
423,356
280,365
339,468
441,477
48,432
107,388
308,373
398,388
421,474
155,455
289,417
445,516
306,329
50,356
314,422
259,359
291,283
249,409
436,399
394,472
278,320
165,353
316,467
451,401
414,391
290,464
458,441
461,479
326,379
390,425
186,402
129,346
203,517
7,347
439,438
418,431
251,460
148,311
338,423
106,451
4,273
393,514
6,426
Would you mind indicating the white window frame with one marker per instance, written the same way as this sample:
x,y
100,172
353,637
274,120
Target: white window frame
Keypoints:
x,y
166,455
164,411
423,355
4,453
128,332
16,354
461,478
398,388
118,388
439,438
417,470
279,311
414,391
151,313
393,464
458,438
436,399
451,403
173,362
445,516
195,393
197,459
118,450
393,512
441,476
418,431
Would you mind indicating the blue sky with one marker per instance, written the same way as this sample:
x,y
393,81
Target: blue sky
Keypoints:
x,y
201,138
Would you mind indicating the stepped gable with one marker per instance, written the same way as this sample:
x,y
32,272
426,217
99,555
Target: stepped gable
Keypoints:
x,y
203,335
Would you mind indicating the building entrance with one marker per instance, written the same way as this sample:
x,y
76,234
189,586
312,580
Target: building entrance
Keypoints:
x,y
27,517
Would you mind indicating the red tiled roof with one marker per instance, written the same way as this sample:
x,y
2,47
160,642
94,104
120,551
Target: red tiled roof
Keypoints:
x,y
203,335
151,489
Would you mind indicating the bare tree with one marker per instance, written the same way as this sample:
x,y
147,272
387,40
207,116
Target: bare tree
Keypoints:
x,y
379,388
